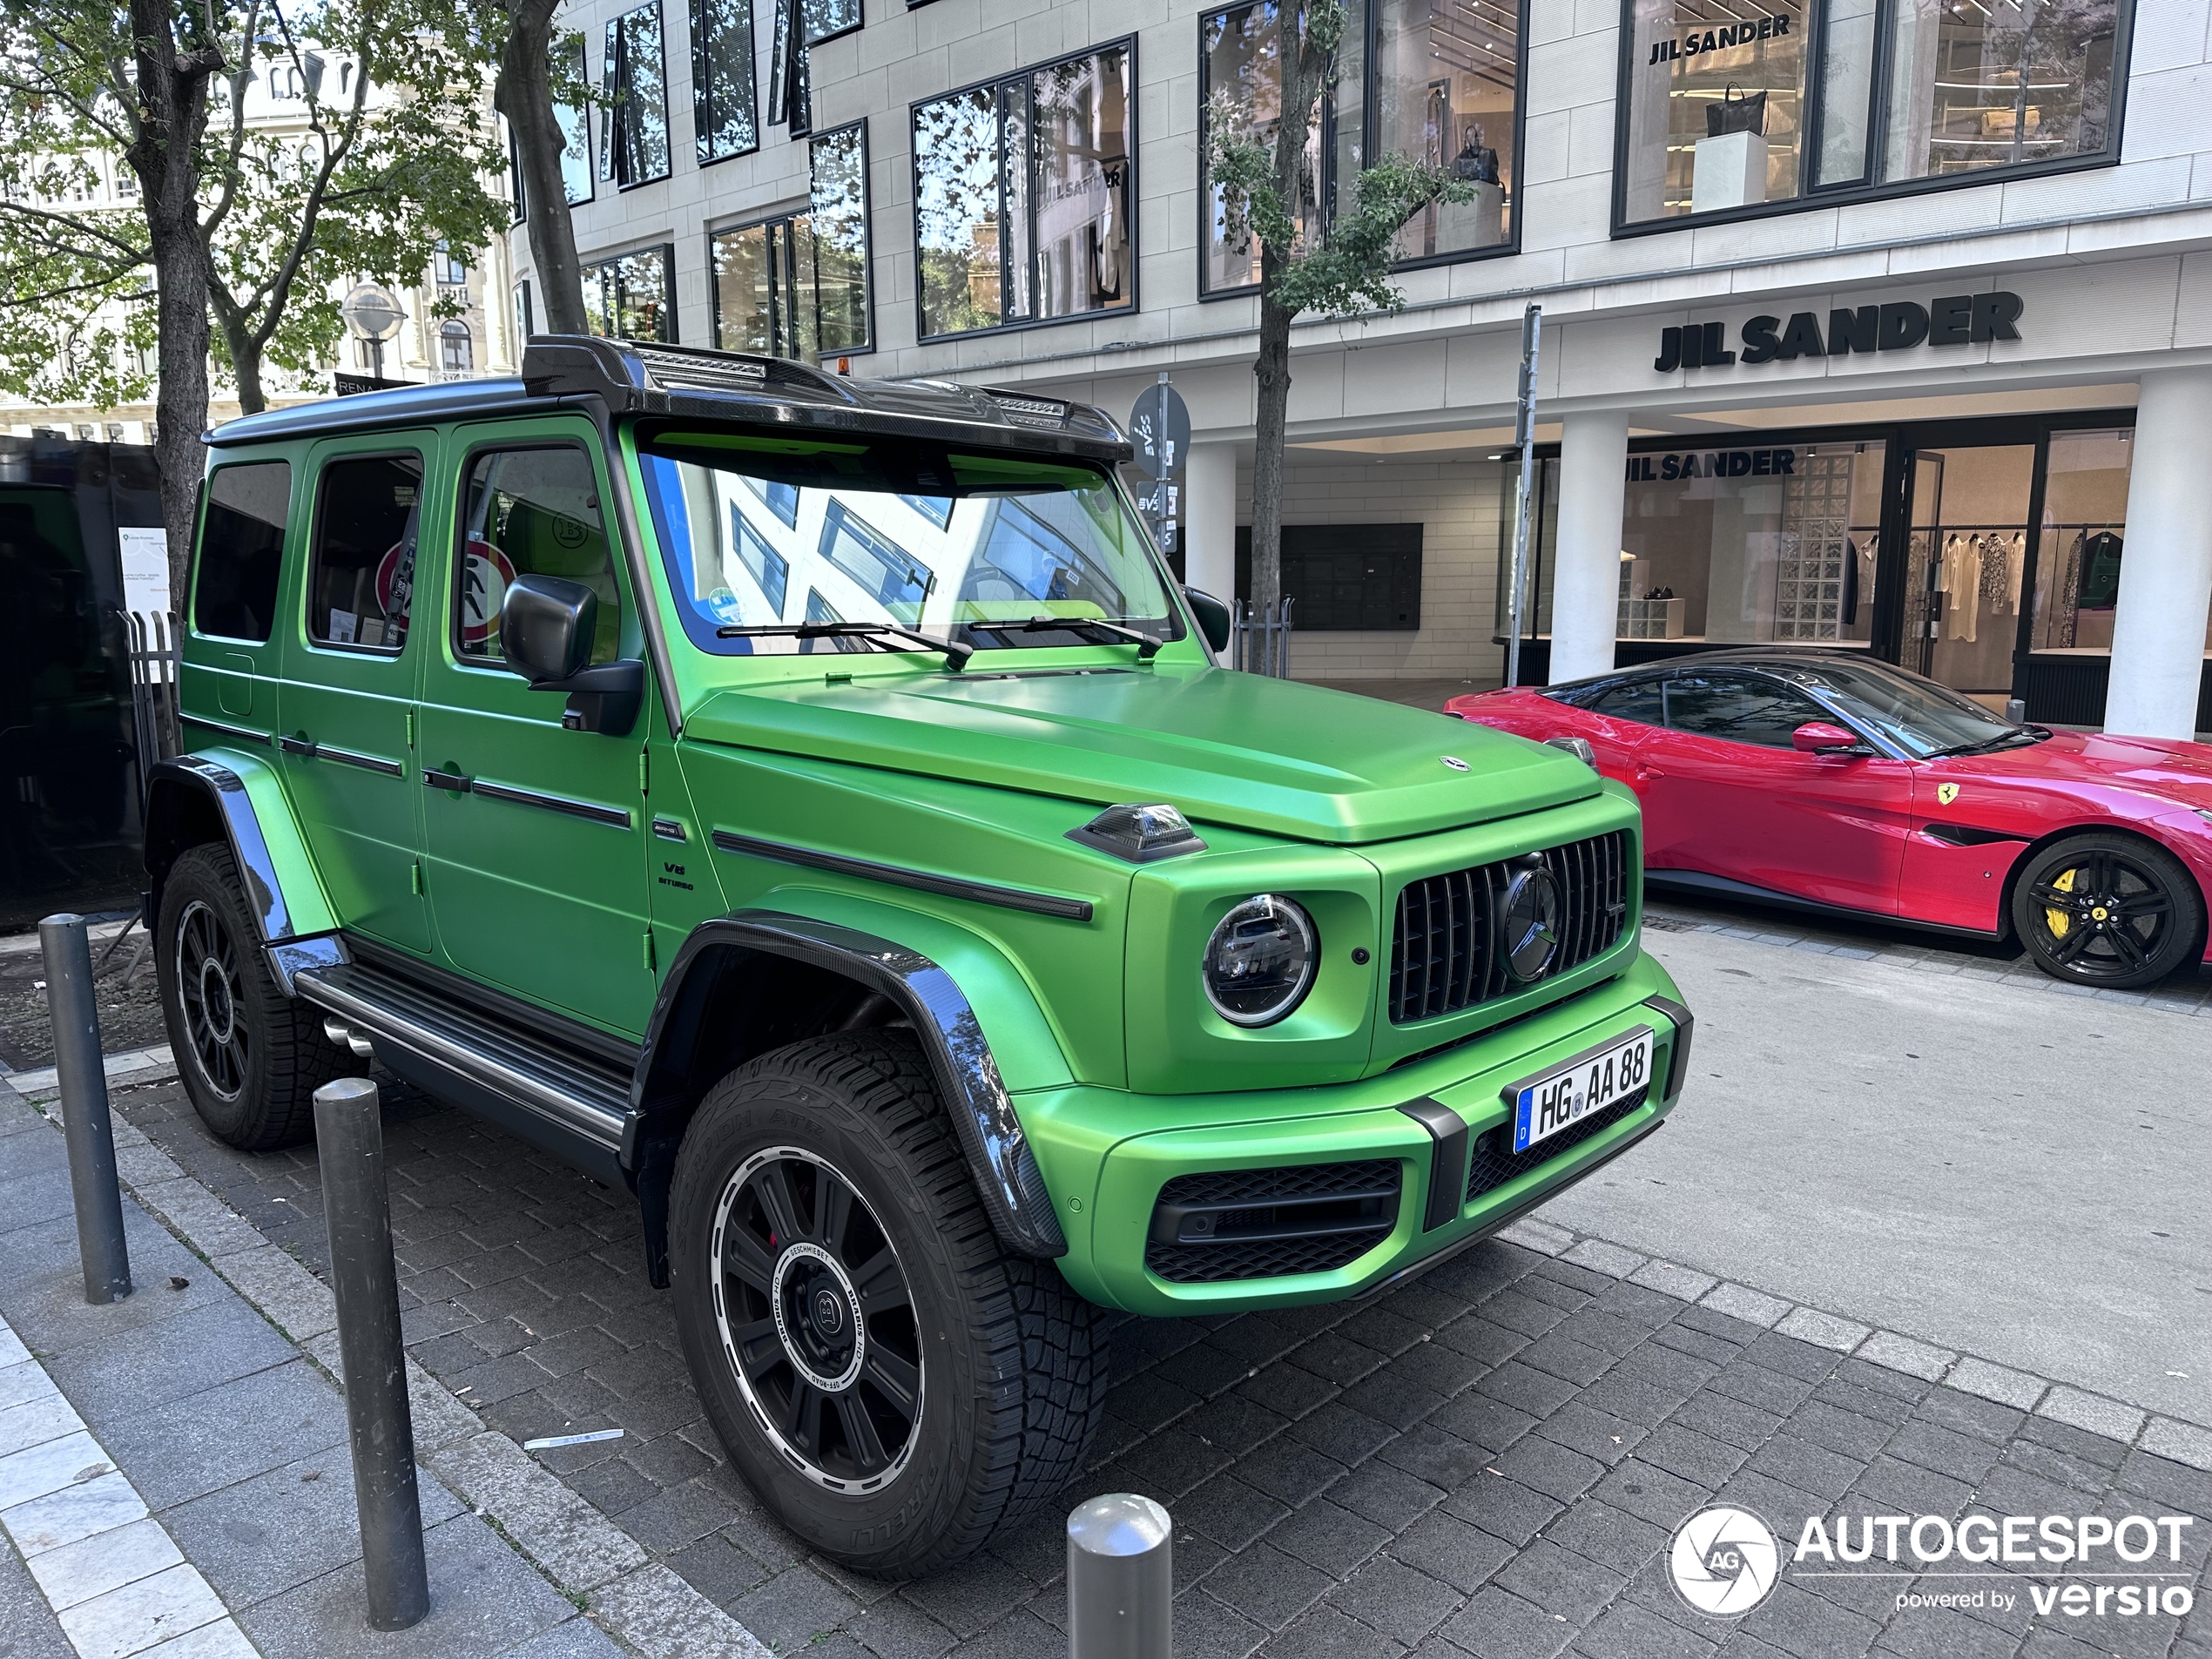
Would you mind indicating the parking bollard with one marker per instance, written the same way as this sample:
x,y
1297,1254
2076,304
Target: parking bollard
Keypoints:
x,y
1121,1579
86,1126
349,1144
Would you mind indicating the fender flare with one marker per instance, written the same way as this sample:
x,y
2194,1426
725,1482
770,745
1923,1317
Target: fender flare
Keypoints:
x,y
999,1157
189,795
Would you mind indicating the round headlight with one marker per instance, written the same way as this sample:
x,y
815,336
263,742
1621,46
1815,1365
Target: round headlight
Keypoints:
x,y
1260,963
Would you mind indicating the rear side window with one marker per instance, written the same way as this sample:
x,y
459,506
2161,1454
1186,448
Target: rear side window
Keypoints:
x,y
1740,708
361,580
531,512
242,547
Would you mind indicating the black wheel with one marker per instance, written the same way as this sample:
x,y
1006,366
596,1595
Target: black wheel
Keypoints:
x,y
2107,910
892,1385
250,1056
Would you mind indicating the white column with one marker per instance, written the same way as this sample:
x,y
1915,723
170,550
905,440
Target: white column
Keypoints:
x,y
1586,571
2165,576
1210,519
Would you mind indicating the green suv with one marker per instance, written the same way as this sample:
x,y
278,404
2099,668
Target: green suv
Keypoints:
x,y
810,803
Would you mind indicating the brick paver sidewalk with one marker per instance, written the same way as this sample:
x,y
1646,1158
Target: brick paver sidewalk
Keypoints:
x,y
1488,1460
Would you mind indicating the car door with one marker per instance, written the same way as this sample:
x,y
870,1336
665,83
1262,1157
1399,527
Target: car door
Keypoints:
x,y
348,697
1725,794
534,834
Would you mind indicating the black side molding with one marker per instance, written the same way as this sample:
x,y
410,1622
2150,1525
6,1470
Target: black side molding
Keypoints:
x,y
1685,1024
1448,1168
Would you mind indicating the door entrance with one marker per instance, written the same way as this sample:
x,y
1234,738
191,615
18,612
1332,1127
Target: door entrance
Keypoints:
x,y
1966,556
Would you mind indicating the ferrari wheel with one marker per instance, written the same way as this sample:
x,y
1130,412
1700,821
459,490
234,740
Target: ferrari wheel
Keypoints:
x,y
2107,910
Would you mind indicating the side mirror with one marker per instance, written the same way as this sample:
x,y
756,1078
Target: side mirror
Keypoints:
x,y
1213,616
546,626
1818,738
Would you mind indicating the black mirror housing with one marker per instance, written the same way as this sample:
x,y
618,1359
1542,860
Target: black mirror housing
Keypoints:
x,y
546,625
1211,615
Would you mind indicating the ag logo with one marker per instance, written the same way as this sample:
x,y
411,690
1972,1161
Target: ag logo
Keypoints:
x,y
1723,1562
1946,793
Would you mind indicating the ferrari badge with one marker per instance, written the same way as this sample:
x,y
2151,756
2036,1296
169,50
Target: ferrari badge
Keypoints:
x,y
1946,793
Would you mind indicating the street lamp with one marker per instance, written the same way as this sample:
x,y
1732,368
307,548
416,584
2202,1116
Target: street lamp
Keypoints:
x,y
373,316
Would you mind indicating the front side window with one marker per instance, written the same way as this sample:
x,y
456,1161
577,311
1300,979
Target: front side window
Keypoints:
x,y
633,295
530,512
360,575
721,106
797,286
1021,192
241,549
633,147
1434,81
1745,107
762,534
1738,708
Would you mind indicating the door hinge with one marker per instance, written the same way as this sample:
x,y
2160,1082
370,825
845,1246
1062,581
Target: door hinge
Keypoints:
x,y
650,962
410,728
414,877
644,771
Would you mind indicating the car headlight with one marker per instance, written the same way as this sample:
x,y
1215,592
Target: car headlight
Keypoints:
x,y
1260,963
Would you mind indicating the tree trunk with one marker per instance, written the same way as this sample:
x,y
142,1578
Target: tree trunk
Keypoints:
x,y
1272,369
173,90
245,351
523,94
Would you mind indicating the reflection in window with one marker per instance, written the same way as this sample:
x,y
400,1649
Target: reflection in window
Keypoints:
x,y
1737,708
798,286
1718,105
821,20
1022,191
1241,52
531,512
633,297
574,118
634,136
721,106
1447,73
360,579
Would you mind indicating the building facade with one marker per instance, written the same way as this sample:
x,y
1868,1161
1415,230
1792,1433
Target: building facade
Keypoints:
x,y
1883,323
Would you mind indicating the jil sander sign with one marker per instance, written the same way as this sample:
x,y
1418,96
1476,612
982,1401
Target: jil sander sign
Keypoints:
x,y
1698,42
1953,320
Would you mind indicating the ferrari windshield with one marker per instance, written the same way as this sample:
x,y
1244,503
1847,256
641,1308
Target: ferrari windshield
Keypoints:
x,y
1920,718
772,542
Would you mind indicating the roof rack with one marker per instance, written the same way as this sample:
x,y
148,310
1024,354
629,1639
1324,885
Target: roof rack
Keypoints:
x,y
642,378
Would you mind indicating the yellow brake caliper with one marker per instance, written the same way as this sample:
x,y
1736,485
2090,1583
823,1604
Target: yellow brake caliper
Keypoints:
x,y
2058,920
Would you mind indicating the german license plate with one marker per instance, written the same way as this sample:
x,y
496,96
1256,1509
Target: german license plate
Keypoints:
x,y
1592,1081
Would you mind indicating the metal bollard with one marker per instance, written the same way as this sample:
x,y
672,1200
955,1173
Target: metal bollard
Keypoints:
x,y
350,1143
86,1123
1121,1579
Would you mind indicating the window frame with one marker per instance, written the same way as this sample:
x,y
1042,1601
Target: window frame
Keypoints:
x,y
286,556
785,217
310,557
1125,42
1811,197
614,80
1369,112
702,81
617,560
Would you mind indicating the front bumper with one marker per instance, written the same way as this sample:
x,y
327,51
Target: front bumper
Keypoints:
x,y
1106,1154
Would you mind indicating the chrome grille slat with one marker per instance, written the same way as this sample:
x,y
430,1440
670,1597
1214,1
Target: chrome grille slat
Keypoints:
x,y
1444,955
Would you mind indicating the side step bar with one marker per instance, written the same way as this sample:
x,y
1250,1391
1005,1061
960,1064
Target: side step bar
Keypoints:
x,y
580,1094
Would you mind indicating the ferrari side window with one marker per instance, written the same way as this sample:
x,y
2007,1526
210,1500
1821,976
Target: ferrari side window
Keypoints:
x,y
1643,700
1737,708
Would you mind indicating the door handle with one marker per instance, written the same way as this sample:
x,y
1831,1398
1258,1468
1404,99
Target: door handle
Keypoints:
x,y
1645,774
452,780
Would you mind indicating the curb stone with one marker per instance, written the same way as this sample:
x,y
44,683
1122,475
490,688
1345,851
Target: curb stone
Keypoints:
x,y
640,1604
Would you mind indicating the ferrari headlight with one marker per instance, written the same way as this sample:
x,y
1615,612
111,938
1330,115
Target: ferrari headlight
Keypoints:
x,y
1260,963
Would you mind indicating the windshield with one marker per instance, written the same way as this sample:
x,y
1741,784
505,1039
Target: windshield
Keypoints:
x,y
1920,718
776,534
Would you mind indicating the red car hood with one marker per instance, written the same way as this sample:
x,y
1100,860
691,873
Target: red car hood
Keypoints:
x,y
2172,769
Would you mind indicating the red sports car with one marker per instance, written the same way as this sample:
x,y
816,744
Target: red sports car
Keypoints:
x,y
1826,781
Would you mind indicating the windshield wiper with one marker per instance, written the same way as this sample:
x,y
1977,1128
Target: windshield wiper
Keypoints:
x,y
956,655
1147,647
2030,733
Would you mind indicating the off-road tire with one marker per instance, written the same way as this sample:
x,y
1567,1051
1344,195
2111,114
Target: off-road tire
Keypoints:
x,y
1013,1362
285,1055
2161,909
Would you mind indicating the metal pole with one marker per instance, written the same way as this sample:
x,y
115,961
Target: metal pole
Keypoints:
x,y
1121,1579
1524,430
350,1143
85,1123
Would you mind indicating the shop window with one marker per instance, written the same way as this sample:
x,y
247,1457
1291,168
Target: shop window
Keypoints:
x,y
1737,107
1022,196
633,137
2085,532
1346,578
362,575
1436,81
633,295
242,547
722,106
797,286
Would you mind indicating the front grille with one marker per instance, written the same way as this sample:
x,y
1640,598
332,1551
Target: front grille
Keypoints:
x,y
1445,955
1263,1224
1493,1161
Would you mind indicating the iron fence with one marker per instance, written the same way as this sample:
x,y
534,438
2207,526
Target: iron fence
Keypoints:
x,y
1261,644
